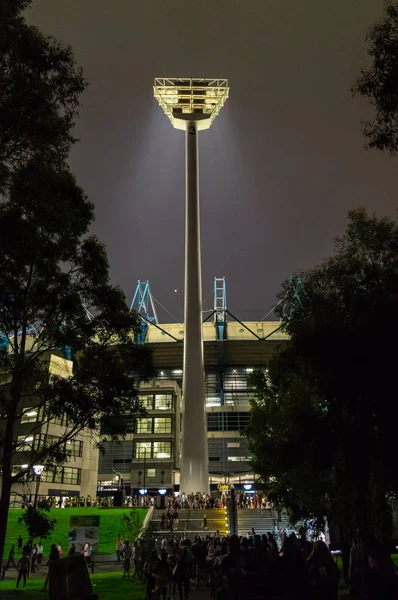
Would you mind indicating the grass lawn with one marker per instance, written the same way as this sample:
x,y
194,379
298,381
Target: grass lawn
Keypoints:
x,y
108,586
109,527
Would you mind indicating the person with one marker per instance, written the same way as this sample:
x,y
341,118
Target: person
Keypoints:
x,y
204,523
150,570
357,566
231,568
19,544
72,550
39,553
119,550
34,558
164,544
214,548
163,576
381,579
11,558
127,558
60,551
87,552
23,568
294,571
54,555
323,572
182,572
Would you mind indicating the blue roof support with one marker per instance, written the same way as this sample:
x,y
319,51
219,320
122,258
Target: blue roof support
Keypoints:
x,y
220,307
143,304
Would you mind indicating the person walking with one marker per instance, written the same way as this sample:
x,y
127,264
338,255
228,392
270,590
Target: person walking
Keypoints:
x,y
23,569
54,555
324,574
119,550
182,572
127,559
204,523
87,552
39,553
19,544
11,558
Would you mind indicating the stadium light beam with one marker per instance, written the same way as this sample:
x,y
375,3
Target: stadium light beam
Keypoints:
x,y
192,105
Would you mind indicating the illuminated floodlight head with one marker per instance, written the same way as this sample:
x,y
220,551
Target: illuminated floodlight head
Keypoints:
x,y
38,470
185,99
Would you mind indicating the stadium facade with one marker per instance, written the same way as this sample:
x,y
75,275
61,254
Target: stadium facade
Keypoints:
x,y
149,458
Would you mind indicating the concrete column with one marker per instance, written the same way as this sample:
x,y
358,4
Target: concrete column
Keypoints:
x,y
194,461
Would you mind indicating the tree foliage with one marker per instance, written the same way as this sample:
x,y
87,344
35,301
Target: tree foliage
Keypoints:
x,y
40,85
55,295
37,522
379,82
323,422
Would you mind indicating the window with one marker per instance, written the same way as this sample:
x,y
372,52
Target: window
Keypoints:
x,y
60,420
65,475
146,402
29,415
161,449
75,447
239,458
233,445
71,475
151,473
25,443
152,450
142,450
144,425
162,425
227,421
163,402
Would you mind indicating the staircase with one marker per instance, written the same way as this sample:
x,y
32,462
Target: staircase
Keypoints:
x,y
262,521
216,521
189,524
155,530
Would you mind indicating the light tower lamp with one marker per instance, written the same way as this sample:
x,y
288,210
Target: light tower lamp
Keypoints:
x,y
192,105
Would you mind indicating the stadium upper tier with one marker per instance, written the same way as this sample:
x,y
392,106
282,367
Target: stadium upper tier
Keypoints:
x,y
245,342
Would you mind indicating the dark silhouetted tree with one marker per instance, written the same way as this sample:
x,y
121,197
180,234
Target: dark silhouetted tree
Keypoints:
x,y
322,429
55,294
40,86
379,82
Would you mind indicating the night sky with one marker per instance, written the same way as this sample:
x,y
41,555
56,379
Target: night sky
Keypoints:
x,y
281,165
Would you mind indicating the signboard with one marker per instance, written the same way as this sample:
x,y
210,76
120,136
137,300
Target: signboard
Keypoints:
x,y
82,529
63,493
69,579
225,487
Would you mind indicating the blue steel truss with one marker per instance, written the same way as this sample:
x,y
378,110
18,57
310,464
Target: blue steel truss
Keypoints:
x,y
143,304
220,307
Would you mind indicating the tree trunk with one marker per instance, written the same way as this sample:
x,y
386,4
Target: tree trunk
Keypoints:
x,y
4,509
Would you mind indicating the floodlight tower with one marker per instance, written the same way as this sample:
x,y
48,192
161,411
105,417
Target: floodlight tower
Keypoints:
x,y
192,105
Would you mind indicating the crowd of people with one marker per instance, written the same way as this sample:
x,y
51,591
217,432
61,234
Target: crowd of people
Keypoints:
x,y
236,568
28,558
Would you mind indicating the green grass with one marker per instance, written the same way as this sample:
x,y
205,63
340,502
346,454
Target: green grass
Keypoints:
x,y
108,586
109,527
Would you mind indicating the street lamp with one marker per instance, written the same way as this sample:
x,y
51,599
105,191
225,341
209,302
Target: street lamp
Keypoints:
x,y
192,105
38,470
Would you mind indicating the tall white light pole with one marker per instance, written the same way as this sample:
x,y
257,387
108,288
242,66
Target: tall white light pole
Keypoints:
x,y
192,105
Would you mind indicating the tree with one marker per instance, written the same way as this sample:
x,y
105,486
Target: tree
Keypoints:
x,y
379,83
55,297
40,86
37,523
323,422
130,526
